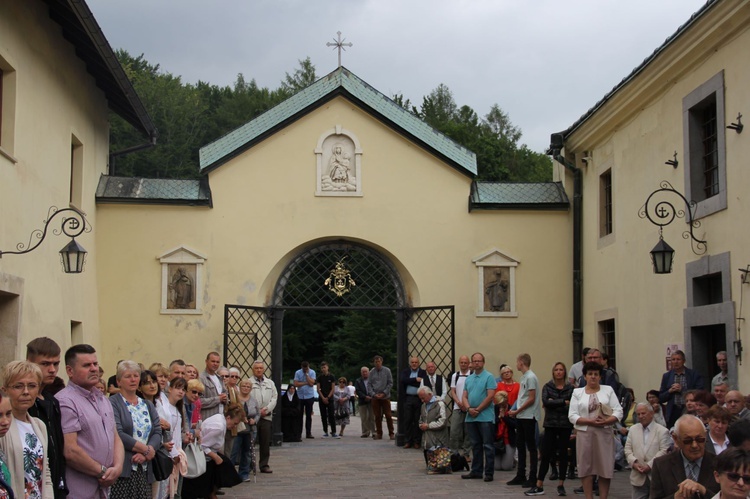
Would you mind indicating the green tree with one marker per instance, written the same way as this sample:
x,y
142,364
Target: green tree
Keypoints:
x,y
303,77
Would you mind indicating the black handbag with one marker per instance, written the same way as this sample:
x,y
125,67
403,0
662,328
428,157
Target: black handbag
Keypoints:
x,y
162,465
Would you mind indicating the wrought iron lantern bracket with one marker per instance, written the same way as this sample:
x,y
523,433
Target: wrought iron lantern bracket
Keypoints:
x,y
661,212
73,223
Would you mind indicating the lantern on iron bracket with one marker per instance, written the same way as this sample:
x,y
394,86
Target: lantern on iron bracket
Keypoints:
x,y
73,223
661,212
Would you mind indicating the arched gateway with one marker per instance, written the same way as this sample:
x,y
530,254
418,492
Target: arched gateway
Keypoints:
x,y
367,280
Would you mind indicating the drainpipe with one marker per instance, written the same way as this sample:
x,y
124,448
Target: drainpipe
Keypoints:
x,y
557,142
147,145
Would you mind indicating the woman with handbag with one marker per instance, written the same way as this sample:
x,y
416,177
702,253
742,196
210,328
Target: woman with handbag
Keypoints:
x,y
220,471
171,411
137,423
594,409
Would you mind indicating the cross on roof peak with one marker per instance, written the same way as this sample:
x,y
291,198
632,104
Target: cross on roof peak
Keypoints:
x,y
339,44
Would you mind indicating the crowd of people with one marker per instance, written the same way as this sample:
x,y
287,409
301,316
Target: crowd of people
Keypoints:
x,y
682,441
159,432
173,431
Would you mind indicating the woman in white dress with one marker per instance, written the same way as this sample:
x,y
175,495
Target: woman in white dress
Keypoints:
x,y
594,409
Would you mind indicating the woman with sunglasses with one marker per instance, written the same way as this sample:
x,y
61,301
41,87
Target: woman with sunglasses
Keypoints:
x,y
193,403
733,474
25,442
242,453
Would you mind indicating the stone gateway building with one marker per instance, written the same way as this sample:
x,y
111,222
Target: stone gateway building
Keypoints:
x,y
339,198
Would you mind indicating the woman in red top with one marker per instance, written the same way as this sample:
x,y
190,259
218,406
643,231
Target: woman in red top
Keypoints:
x,y
507,384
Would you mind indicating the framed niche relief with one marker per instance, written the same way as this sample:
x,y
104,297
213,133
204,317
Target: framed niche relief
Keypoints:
x,y
181,281
338,160
496,281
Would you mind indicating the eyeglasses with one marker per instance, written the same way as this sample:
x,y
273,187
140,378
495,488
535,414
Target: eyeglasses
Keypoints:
x,y
234,376
20,387
224,375
735,477
697,440
196,392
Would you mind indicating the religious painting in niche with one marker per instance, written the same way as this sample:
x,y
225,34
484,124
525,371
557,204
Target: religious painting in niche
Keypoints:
x,y
496,289
182,282
496,284
338,173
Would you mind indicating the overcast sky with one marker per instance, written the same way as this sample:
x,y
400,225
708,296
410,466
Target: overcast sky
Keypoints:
x,y
545,62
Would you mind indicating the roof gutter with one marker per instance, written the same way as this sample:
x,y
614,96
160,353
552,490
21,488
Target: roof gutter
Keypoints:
x,y
557,142
140,147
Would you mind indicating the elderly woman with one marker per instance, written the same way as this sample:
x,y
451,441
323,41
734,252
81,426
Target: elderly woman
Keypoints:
x,y
731,466
508,385
25,442
219,469
594,409
341,407
243,444
433,423
505,449
137,424
718,422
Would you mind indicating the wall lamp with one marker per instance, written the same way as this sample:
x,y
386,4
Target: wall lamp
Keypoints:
x,y
72,224
737,127
661,212
672,162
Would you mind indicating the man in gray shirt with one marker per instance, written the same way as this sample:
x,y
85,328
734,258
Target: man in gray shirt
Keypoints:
x,y
380,383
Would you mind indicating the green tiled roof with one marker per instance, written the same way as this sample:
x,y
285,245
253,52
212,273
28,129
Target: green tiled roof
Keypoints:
x,y
153,191
518,195
340,82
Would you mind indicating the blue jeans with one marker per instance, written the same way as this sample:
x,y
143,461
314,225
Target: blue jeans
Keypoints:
x,y
241,452
482,437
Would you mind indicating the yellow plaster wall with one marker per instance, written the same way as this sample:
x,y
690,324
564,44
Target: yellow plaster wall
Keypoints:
x,y
55,99
414,210
635,139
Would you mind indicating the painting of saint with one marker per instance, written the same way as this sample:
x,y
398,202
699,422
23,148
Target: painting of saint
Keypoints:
x,y
181,287
496,289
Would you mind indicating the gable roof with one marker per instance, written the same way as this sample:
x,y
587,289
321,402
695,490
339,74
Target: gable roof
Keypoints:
x,y
340,82
81,29
518,196
642,66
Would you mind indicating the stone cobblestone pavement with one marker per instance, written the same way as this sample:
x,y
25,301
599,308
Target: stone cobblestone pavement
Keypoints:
x,y
362,467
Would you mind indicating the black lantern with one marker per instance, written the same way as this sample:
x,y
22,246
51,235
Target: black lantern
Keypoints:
x,y
73,257
661,212
662,257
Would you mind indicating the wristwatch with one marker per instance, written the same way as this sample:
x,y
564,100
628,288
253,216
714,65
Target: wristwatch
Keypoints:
x,y
104,470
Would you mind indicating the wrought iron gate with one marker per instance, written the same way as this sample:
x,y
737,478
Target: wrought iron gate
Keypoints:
x,y
247,337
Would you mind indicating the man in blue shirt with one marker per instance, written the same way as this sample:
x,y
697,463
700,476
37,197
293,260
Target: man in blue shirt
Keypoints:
x,y
479,391
304,381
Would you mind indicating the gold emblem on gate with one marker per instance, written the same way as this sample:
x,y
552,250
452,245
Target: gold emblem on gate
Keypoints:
x,y
340,280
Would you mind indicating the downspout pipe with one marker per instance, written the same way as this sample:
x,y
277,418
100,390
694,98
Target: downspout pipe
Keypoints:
x,y
557,142
146,145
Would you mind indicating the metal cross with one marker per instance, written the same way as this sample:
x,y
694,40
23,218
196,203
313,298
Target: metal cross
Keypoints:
x,y
339,44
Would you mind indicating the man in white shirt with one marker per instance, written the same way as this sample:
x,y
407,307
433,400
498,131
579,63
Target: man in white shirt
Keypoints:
x,y
435,381
646,441
460,441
